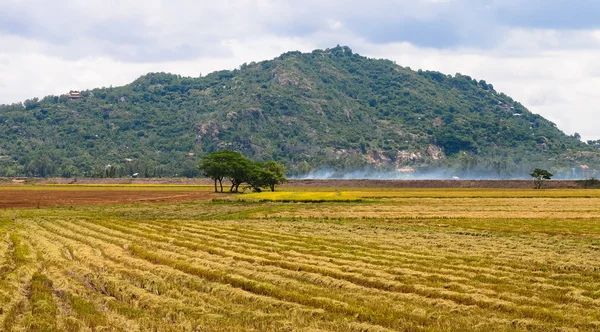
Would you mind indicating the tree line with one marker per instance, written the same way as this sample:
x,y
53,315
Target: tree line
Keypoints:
x,y
238,170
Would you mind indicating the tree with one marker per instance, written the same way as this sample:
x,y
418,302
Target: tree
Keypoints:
x,y
216,166
303,168
256,177
454,142
238,170
274,174
539,175
267,174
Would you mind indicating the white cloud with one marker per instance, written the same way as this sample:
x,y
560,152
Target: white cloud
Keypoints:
x,y
335,25
32,73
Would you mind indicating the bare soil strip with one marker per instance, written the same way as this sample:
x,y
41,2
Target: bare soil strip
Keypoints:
x,y
356,183
77,197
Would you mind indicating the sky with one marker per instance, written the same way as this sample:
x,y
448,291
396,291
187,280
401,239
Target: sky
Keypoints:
x,y
543,53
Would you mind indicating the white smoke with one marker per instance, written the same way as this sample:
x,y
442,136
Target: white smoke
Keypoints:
x,y
439,174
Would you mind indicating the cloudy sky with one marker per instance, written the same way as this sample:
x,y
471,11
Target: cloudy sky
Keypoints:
x,y
543,53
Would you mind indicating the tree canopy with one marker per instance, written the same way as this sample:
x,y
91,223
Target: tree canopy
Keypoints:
x,y
239,169
539,175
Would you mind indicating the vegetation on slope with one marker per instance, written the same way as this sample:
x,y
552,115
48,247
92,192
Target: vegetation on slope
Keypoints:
x,y
329,108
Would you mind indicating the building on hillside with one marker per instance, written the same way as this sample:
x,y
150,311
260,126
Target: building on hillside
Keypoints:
x,y
74,95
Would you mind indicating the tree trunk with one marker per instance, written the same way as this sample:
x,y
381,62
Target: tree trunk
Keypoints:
x,y
220,183
216,185
232,186
236,187
272,187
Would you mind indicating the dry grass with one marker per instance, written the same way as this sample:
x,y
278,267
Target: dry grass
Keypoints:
x,y
412,260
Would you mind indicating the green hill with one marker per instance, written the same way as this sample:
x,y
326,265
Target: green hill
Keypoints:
x,y
325,109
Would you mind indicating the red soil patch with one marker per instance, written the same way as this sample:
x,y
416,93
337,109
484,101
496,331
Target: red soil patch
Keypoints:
x,y
133,181
73,197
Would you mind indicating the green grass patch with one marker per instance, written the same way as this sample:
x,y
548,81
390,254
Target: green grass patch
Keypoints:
x,y
43,307
85,311
20,251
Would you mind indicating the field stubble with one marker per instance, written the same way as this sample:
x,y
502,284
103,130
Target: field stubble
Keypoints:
x,y
415,260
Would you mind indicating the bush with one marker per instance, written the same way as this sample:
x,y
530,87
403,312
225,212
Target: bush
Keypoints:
x,y
591,183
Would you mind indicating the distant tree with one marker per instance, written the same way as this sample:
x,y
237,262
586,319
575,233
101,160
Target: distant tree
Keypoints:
x,y
303,168
539,176
453,142
267,174
589,183
483,84
274,174
468,163
68,171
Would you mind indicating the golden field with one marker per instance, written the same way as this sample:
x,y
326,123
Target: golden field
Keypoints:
x,y
306,260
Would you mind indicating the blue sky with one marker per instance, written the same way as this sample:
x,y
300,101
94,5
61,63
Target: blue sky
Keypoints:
x,y
542,53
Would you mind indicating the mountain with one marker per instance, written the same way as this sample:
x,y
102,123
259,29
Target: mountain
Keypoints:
x,y
325,109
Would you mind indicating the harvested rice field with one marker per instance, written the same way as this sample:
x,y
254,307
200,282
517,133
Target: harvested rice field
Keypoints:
x,y
302,260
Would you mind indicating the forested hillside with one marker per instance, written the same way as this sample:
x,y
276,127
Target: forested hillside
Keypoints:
x,y
326,109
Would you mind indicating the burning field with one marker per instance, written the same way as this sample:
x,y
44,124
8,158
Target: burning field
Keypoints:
x,y
354,260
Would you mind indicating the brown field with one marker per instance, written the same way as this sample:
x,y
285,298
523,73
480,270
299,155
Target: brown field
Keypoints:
x,y
515,184
304,260
20,197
